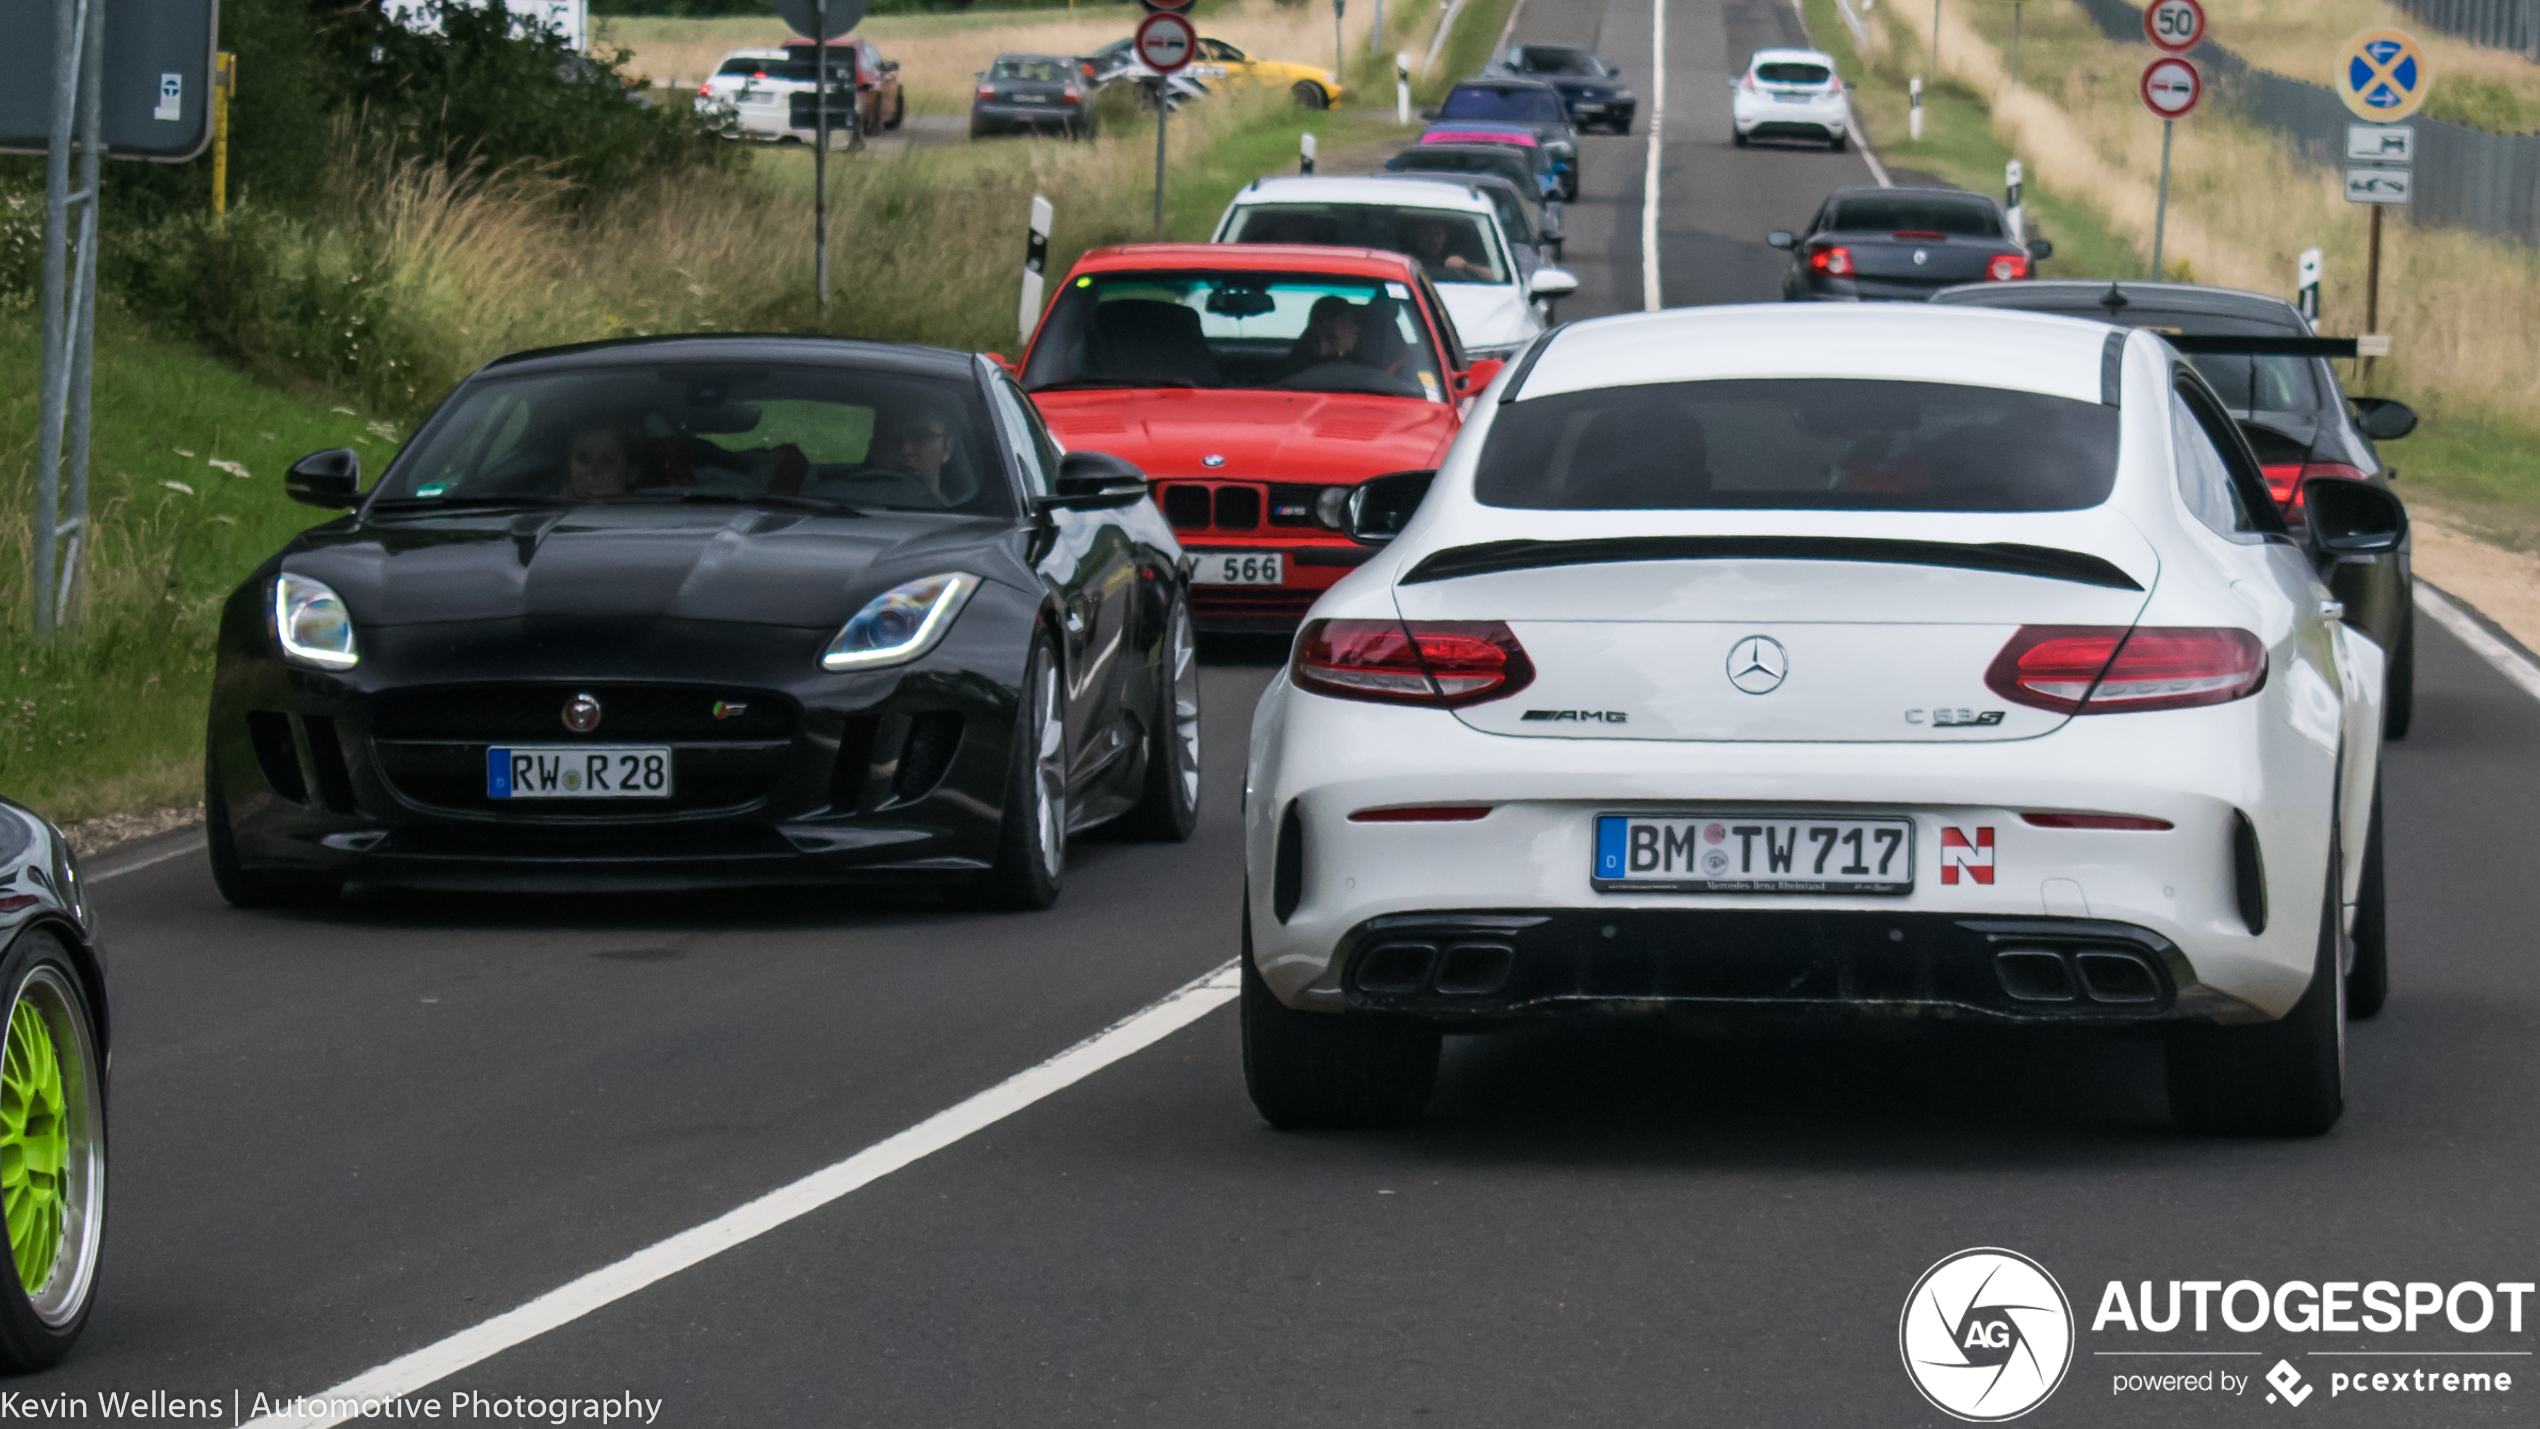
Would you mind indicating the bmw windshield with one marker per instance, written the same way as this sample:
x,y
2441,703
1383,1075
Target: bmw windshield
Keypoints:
x,y
1295,332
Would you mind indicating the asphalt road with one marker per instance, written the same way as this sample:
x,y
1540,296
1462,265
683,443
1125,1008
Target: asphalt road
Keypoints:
x,y
343,1137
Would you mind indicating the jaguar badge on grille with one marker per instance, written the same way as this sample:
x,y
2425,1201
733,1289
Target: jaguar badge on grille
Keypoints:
x,y
582,714
731,709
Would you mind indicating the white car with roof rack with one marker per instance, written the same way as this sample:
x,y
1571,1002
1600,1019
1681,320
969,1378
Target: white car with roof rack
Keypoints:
x,y
1498,293
1887,661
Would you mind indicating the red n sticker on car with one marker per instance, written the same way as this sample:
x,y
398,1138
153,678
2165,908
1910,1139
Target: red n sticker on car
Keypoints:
x,y
1957,853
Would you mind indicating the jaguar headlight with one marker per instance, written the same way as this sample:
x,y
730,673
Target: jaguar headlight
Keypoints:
x,y
312,625
900,624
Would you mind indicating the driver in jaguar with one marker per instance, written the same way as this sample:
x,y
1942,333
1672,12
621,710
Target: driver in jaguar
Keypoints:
x,y
915,439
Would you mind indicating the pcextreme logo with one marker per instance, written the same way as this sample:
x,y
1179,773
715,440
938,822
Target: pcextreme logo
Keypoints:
x,y
1986,1335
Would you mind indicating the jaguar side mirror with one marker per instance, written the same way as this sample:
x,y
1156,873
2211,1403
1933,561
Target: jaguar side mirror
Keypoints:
x,y
2382,419
2353,518
1093,481
1382,505
331,478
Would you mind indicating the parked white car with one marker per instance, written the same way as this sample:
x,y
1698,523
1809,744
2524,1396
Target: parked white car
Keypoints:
x,y
1791,94
1898,662
754,86
1497,292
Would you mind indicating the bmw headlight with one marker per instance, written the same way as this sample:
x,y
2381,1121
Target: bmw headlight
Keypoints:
x,y
312,625
900,624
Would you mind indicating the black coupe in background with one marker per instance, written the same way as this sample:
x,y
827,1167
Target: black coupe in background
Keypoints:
x,y
698,610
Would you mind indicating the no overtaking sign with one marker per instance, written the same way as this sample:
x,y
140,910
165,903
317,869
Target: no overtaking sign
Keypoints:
x,y
1166,42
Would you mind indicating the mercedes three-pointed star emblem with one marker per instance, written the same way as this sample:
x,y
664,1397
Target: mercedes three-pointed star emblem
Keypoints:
x,y
1758,664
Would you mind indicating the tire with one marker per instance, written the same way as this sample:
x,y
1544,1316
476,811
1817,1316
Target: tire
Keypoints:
x,y
2399,682
2280,1078
1737,139
247,887
1310,95
1838,143
52,1115
2368,981
1168,810
1320,1069
1032,834
899,111
1570,187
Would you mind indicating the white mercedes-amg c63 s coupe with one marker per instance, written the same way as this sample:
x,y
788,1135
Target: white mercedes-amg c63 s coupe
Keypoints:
x,y
1903,661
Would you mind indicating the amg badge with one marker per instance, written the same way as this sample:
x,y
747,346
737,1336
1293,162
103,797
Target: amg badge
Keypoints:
x,y
1591,716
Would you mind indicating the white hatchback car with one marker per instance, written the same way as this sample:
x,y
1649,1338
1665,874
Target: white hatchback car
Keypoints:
x,y
1790,94
1497,294
1906,662
756,88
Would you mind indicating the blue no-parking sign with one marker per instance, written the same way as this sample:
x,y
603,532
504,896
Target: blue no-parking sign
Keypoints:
x,y
2382,75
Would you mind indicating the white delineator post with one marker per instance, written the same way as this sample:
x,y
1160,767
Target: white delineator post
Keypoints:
x,y
2011,201
2306,283
1036,257
1914,110
1402,87
1305,154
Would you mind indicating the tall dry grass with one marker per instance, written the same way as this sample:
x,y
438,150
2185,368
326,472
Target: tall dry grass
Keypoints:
x,y
2242,207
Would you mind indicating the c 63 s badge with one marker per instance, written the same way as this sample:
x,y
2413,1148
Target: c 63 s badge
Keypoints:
x,y
1986,1335
1579,716
1953,719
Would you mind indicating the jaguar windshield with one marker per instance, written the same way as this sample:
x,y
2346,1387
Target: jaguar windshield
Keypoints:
x,y
830,436
1295,332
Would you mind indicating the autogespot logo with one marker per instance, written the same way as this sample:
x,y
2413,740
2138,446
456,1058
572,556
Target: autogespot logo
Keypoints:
x,y
1986,1335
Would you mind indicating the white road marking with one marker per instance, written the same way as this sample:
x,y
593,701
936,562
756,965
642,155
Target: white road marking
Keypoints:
x,y
1649,182
2509,662
1878,170
179,850
567,1303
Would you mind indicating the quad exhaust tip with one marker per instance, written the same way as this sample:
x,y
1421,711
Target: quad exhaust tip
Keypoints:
x,y
1451,970
2052,975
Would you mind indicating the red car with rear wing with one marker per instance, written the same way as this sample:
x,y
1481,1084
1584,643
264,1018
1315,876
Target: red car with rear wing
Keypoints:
x,y
1257,385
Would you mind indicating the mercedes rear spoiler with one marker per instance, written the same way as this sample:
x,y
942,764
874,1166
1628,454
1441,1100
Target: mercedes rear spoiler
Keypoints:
x,y
2235,345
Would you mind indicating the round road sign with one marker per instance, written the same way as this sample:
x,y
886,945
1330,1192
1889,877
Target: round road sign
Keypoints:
x,y
2171,86
1154,5
1166,42
2174,26
804,16
2382,75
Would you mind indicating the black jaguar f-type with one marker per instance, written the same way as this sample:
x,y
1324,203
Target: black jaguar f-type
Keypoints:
x,y
702,610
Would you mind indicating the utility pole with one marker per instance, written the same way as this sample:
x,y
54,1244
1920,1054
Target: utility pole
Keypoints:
x,y
820,166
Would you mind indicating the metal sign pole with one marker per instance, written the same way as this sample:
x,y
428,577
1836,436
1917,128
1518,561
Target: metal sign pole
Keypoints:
x,y
820,165
83,316
1340,51
2372,285
2016,8
1163,106
2161,211
78,47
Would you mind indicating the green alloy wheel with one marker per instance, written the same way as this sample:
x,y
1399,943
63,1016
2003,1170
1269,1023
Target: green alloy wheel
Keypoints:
x,y
52,1153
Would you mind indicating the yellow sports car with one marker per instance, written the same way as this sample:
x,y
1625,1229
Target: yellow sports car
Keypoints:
x,y
1313,87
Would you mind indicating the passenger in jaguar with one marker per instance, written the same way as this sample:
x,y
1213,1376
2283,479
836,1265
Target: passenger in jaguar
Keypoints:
x,y
600,461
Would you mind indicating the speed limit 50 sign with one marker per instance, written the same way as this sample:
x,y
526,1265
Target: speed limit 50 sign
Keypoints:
x,y
2174,26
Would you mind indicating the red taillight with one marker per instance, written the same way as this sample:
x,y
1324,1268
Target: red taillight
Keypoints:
x,y
2107,669
1071,94
987,91
706,90
1835,261
1441,663
1747,82
2006,267
2284,480
1422,814
2098,821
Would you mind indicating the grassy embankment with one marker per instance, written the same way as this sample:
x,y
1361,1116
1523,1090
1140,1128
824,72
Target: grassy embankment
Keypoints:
x,y
2242,207
431,277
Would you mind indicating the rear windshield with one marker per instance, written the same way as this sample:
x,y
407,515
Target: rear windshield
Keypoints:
x,y
1524,106
749,66
1040,71
1801,444
712,432
1454,247
1786,72
1424,159
1896,213
1296,332
1553,59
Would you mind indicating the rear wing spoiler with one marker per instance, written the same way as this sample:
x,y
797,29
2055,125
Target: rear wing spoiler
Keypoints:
x,y
2230,345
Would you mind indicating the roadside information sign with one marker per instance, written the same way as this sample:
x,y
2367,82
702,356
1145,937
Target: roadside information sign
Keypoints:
x,y
1166,42
2383,75
2174,26
2171,86
2379,185
2381,144
156,100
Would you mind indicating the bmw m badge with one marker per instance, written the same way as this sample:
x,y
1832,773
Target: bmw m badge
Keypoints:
x,y
582,714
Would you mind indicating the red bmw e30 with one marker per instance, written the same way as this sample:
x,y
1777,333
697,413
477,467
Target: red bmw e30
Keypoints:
x,y
1256,384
